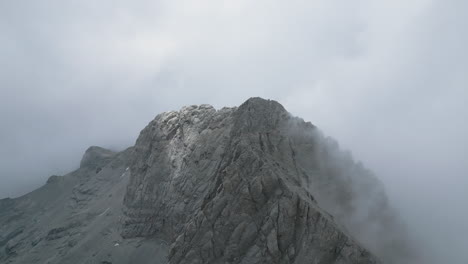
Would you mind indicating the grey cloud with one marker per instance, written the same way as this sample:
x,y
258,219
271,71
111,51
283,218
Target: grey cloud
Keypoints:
x,y
386,79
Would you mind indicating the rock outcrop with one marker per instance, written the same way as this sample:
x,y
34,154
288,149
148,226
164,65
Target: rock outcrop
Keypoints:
x,y
248,184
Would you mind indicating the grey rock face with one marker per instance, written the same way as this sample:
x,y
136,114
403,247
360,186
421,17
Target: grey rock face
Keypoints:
x,y
237,185
227,186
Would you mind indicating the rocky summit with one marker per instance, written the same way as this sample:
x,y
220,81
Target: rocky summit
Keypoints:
x,y
249,184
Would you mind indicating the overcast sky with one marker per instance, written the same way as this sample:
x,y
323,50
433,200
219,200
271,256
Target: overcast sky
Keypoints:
x,y
387,79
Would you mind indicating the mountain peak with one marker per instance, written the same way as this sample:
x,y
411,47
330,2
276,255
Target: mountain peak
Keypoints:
x,y
260,115
242,185
261,102
95,156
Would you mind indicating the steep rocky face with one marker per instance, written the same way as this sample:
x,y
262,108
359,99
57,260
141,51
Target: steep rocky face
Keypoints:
x,y
231,186
248,184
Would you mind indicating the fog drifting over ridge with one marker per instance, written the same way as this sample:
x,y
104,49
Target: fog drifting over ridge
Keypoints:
x,y
387,80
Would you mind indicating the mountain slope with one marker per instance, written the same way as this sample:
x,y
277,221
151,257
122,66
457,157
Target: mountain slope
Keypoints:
x,y
237,185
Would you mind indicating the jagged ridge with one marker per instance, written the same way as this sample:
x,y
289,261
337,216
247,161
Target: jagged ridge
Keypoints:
x,y
251,184
225,187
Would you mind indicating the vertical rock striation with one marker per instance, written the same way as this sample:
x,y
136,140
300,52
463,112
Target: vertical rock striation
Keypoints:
x,y
231,186
243,185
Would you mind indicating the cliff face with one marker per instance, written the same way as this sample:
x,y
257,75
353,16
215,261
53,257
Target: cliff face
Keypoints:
x,y
233,186
237,185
